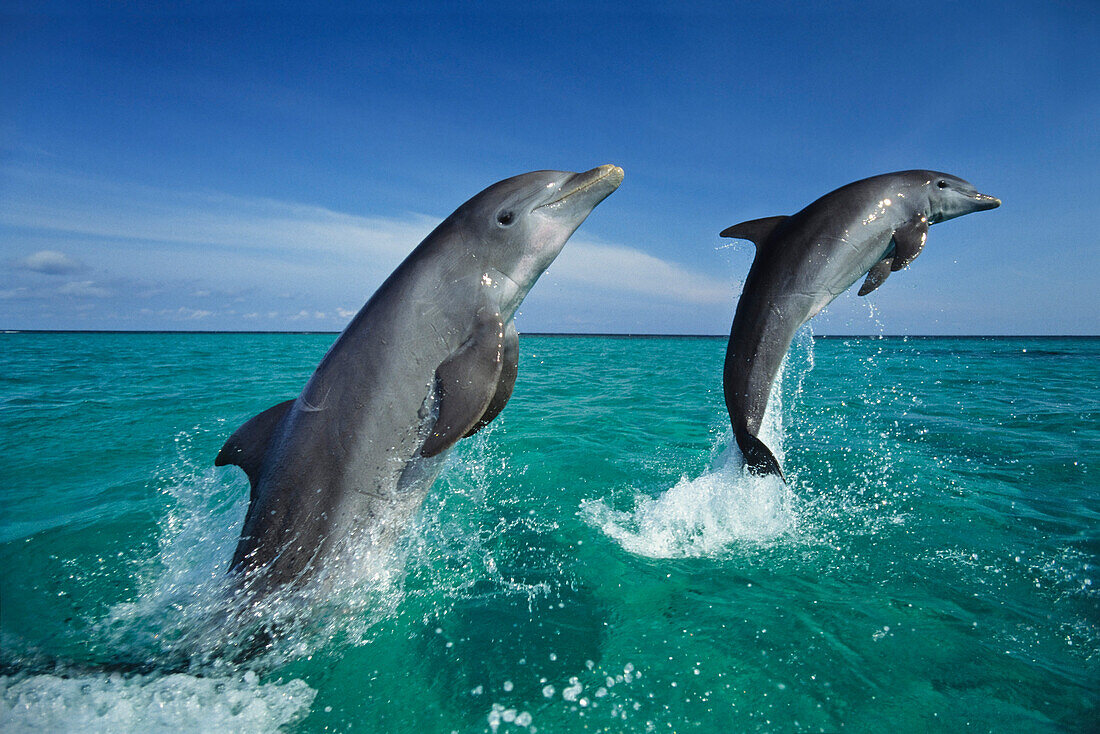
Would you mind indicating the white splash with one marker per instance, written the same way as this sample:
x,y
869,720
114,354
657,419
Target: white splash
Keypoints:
x,y
161,703
703,516
723,507
187,612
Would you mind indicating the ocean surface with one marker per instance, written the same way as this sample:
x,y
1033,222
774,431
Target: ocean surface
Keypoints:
x,y
594,561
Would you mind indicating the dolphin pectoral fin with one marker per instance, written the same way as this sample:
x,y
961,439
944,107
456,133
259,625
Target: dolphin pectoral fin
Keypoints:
x,y
754,230
465,384
909,240
877,275
509,368
248,444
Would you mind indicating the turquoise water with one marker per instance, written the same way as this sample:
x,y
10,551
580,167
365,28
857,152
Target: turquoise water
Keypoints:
x,y
595,561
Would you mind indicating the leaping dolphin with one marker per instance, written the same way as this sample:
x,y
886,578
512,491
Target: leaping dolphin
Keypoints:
x,y
431,358
804,261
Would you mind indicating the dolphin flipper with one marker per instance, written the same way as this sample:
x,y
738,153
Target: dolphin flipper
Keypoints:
x,y
758,457
509,368
248,444
909,240
755,231
466,383
877,275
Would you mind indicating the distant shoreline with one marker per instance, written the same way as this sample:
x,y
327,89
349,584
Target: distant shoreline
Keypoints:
x,y
563,334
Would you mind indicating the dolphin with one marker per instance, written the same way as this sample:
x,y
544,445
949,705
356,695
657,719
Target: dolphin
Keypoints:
x,y
431,358
870,227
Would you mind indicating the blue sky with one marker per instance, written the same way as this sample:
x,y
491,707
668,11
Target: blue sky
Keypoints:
x,y
194,168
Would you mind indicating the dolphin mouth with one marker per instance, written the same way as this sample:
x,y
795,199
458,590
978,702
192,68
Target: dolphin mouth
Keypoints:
x,y
985,201
598,183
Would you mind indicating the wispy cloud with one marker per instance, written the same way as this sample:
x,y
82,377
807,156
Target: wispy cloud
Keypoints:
x,y
632,271
84,289
215,253
178,314
50,262
47,202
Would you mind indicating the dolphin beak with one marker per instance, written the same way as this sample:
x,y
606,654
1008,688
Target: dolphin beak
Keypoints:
x,y
985,201
588,188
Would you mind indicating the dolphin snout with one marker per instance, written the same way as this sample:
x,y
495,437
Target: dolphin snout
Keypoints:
x,y
984,201
608,176
598,183
613,172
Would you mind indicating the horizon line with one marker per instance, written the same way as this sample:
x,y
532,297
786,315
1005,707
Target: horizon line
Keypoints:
x,y
613,335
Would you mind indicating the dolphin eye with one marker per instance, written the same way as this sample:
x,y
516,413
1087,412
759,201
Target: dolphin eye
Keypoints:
x,y
505,218
942,184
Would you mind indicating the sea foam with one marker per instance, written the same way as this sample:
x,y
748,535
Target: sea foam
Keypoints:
x,y
149,703
703,516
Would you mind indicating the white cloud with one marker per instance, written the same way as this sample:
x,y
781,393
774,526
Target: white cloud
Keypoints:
x,y
305,314
630,270
87,208
286,260
50,262
184,313
84,289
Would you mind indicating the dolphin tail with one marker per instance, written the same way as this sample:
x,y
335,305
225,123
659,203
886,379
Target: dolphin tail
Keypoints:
x,y
758,457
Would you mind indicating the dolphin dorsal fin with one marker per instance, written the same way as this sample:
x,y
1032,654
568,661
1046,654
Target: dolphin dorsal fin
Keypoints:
x,y
247,446
755,231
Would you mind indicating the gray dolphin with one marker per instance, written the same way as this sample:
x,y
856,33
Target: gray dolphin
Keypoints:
x,y
803,261
431,358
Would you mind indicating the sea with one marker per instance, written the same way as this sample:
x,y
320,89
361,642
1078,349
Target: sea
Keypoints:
x,y
596,560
